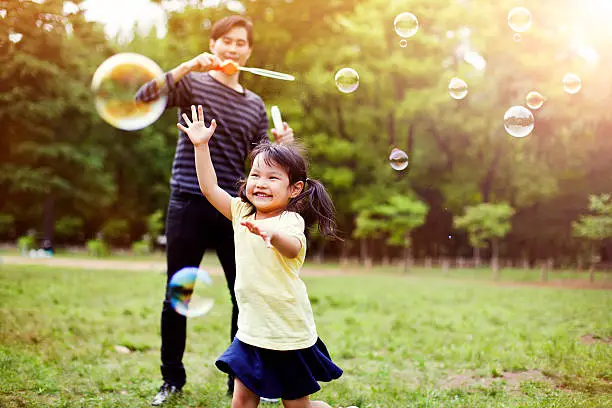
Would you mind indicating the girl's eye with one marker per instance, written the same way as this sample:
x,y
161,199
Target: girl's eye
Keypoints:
x,y
273,178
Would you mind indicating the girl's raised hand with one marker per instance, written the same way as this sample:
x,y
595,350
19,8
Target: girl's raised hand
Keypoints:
x,y
197,131
255,229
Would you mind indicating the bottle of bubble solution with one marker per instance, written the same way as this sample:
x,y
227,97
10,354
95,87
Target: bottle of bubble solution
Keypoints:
x,y
276,118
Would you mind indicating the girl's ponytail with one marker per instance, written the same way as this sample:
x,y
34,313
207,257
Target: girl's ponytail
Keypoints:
x,y
316,206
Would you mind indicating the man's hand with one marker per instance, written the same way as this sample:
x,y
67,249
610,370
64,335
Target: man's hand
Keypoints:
x,y
265,234
203,62
197,131
283,136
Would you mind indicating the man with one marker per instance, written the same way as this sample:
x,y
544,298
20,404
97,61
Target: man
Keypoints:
x,y
193,225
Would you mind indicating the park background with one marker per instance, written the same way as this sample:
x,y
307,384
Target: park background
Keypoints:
x,y
410,308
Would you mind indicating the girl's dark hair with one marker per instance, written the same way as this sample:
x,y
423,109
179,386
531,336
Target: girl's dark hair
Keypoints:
x,y
313,203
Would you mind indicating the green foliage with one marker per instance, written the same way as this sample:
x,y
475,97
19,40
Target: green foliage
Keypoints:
x,y
485,221
97,248
7,222
596,227
142,247
69,227
395,218
115,231
25,243
155,224
55,145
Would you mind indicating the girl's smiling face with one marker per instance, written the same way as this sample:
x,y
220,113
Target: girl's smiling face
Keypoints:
x,y
268,188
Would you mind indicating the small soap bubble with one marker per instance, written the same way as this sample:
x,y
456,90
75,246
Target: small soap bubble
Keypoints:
x,y
534,100
518,121
347,80
572,83
457,88
398,159
519,19
406,24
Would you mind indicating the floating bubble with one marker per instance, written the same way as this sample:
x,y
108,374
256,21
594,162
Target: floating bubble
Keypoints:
x,y
403,43
190,292
235,6
406,24
15,37
115,84
457,88
519,19
398,159
347,80
516,37
572,83
518,121
534,100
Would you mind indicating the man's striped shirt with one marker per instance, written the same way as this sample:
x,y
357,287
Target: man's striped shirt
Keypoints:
x,y
242,123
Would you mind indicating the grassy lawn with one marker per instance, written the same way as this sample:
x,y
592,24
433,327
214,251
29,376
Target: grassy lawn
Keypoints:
x,y
404,341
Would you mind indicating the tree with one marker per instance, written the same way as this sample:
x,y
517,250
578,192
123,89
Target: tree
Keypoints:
x,y
395,218
484,222
47,154
597,227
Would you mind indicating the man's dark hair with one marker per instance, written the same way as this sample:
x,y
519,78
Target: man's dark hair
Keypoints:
x,y
225,25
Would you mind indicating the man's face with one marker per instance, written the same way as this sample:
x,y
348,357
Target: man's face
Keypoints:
x,y
233,45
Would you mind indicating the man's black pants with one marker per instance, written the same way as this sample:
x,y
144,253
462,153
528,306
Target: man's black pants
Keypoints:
x,y
193,225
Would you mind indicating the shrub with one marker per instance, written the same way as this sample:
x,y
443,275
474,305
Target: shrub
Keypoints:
x,y
142,247
68,227
25,243
97,248
115,231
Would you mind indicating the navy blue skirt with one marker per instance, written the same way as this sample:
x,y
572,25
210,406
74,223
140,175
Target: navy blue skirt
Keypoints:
x,y
288,375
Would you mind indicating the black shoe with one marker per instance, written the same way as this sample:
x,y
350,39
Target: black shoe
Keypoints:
x,y
165,392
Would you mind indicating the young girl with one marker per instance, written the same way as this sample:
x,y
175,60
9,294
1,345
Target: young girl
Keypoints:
x,y
276,351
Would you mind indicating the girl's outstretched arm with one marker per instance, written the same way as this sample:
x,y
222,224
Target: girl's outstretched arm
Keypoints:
x,y
199,135
287,245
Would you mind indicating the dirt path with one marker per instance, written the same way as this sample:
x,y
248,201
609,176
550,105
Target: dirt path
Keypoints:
x,y
309,270
125,265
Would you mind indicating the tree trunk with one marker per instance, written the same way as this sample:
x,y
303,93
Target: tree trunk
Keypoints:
x,y
365,255
476,257
344,254
445,264
495,258
592,265
319,257
48,224
407,253
544,272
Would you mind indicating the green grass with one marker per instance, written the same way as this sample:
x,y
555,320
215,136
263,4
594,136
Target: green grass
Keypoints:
x,y
403,341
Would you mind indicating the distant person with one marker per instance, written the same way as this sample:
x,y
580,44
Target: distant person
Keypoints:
x,y
276,351
193,225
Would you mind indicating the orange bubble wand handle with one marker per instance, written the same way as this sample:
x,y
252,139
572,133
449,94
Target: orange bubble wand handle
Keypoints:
x,y
230,67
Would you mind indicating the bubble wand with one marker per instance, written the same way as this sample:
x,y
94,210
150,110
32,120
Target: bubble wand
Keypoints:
x,y
230,67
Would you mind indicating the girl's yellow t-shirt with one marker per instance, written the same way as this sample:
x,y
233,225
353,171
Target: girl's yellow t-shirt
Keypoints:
x,y
274,311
